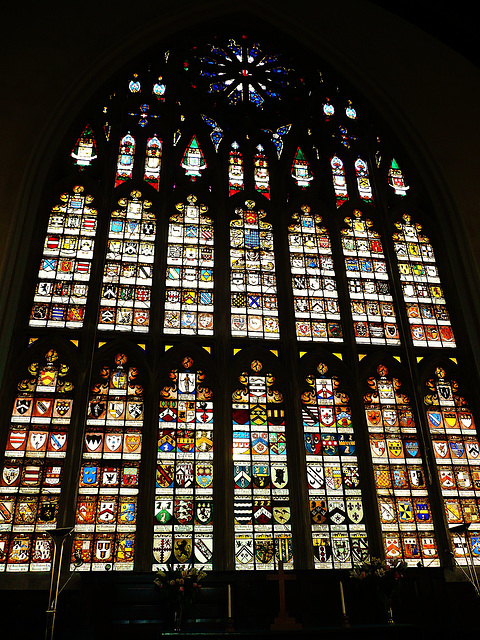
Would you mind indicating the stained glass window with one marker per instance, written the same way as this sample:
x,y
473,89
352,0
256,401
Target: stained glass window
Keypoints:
x,y
371,300
277,137
183,529
261,486
235,170
457,454
32,475
153,162
193,160
400,474
301,172
422,290
106,511
216,134
339,182
159,89
134,84
328,109
189,278
62,287
396,179
261,174
253,282
246,88
336,508
243,73
363,181
85,150
127,276
317,314
350,112
126,157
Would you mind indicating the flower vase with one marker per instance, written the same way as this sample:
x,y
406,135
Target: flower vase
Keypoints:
x,y
177,618
389,612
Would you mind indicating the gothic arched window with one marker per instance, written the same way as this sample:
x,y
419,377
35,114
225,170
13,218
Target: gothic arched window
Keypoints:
x,y
233,213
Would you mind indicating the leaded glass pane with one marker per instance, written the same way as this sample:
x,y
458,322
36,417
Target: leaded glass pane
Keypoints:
x,y
363,181
261,173
85,150
189,278
400,474
317,314
126,158
106,511
301,171
32,475
457,453
334,490
153,162
396,179
253,282
235,170
339,181
61,292
193,160
127,276
183,529
261,486
421,286
371,300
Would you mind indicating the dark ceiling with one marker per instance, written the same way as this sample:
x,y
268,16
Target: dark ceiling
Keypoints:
x,y
453,23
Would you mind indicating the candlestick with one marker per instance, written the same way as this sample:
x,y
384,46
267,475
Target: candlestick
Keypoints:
x,y
342,599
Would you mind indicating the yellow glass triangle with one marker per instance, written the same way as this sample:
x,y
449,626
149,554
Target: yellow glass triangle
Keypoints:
x,y
32,340
339,356
397,358
361,356
420,358
303,353
142,346
208,349
454,360
275,352
235,351
75,342
168,346
100,344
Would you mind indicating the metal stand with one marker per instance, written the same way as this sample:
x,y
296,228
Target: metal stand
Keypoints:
x,y
470,573
59,537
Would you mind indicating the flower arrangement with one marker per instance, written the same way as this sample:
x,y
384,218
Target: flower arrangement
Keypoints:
x,y
179,586
383,577
379,570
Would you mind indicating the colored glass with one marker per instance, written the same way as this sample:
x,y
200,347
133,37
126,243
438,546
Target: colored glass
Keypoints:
x,y
339,181
183,514
261,174
189,277
371,301
422,291
253,283
62,288
400,474
236,174
32,475
85,150
106,511
153,162
127,277
337,518
317,314
457,454
125,161
262,512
